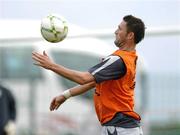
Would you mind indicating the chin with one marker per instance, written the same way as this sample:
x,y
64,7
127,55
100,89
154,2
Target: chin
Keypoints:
x,y
115,42
117,45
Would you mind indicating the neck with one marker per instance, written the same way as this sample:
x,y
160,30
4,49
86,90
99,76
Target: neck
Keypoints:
x,y
128,47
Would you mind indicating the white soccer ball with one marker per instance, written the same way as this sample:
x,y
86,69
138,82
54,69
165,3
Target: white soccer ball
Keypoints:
x,y
54,28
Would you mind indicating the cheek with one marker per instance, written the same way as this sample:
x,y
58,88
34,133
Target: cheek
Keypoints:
x,y
119,34
122,35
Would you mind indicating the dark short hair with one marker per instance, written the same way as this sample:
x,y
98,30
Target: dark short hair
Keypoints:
x,y
136,26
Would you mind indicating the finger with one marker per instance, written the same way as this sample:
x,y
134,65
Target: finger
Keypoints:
x,y
52,105
35,54
57,106
38,64
44,53
37,59
51,108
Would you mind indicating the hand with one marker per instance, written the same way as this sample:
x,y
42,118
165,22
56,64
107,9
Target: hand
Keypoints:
x,y
56,102
10,128
42,60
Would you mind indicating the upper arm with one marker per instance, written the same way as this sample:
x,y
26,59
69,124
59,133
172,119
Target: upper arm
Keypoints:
x,y
111,68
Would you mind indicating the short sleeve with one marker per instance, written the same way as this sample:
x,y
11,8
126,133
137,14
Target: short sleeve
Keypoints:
x,y
111,68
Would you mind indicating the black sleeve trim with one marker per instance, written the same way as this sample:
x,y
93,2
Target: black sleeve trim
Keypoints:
x,y
111,68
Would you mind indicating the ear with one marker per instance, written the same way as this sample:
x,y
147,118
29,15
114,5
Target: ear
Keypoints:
x,y
131,35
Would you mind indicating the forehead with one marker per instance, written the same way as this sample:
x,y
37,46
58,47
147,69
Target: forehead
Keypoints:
x,y
122,24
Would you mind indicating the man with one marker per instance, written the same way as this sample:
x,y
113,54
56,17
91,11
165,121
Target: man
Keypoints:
x,y
114,79
8,112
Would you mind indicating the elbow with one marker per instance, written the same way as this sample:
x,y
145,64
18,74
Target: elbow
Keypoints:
x,y
83,81
86,78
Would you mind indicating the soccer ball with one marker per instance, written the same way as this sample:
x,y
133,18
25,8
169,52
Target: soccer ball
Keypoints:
x,y
54,28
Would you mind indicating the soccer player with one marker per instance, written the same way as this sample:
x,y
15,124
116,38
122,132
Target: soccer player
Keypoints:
x,y
113,79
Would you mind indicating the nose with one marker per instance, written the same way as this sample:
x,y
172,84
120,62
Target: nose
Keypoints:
x,y
116,31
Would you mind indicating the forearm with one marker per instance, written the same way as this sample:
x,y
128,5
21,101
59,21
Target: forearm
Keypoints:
x,y
57,101
76,76
80,89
